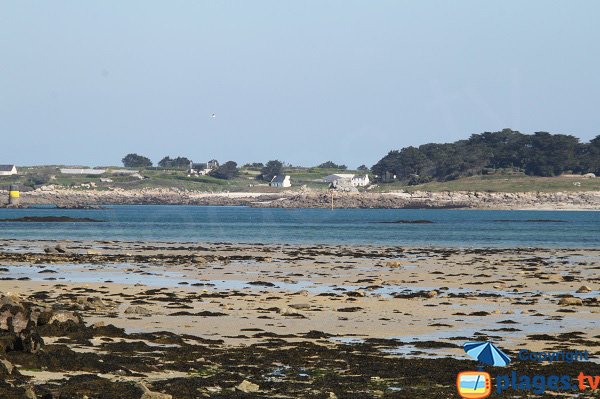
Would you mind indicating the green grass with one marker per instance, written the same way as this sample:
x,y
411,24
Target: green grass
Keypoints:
x,y
502,183
309,177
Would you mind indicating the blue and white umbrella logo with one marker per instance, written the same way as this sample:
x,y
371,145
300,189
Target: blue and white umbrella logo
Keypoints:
x,y
487,353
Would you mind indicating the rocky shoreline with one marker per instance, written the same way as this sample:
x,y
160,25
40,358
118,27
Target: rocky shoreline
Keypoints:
x,y
77,198
137,320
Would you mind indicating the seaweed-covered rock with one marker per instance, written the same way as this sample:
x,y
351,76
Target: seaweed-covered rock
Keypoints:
x,y
21,324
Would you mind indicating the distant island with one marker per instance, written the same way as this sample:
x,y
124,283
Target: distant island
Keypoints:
x,y
489,163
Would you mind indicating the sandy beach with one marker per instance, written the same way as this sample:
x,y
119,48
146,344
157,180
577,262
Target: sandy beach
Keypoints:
x,y
405,307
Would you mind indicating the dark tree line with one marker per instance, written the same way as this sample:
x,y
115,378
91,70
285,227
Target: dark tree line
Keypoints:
x,y
332,165
540,154
136,161
227,171
270,170
174,163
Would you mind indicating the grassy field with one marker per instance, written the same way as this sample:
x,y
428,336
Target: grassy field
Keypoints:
x,y
503,183
160,178
301,177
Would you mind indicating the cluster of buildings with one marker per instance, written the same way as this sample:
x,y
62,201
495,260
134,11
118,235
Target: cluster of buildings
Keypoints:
x,y
202,168
338,181
347,179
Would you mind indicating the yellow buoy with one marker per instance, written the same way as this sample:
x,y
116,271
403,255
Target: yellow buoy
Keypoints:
x,y
14,195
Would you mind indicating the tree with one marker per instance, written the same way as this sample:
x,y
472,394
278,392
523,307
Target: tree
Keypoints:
x,y
551,155
404,163
259,165
176,163
331,165
136,161
590,155
228,171
270,170
540,154
363,168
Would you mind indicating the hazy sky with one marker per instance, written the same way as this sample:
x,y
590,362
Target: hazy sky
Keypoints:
x,y
85,82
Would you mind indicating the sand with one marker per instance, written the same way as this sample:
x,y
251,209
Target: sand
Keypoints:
x,y
258,304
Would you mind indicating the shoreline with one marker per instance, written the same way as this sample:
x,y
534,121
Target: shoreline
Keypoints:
x,y
76,198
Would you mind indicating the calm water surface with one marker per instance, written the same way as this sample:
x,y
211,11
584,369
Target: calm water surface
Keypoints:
x,y
454,228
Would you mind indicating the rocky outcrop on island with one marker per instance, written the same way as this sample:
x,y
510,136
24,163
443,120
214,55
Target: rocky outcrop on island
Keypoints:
x,y
444,200
77,198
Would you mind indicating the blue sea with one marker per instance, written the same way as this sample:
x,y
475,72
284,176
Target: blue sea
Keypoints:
x,y
450,228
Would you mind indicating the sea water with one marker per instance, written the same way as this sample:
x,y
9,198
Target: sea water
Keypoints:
x,y
448,228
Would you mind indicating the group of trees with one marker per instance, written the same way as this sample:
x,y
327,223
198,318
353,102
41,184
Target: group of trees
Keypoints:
x,y
174,163
136,161
227,171
270,170
331,165
140,161
540,154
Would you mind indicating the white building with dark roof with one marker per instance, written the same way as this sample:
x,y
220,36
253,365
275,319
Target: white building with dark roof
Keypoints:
x,y
354,180
280,181
8,170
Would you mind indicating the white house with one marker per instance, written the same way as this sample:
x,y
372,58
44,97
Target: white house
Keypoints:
x,y
360,181
337,176
203,168
8,170
356,181
82,171
280,181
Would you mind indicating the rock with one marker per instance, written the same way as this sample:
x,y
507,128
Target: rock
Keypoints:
x,y
570,301
356,294
393,263
10,299
199,260
332,395
261,283
30,393
300,306
584,289
155,395
8,366
148,394
92,303
290,312
138,310
63,316
247,387
18,330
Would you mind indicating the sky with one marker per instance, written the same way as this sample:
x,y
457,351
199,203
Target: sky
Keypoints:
x,y
305,81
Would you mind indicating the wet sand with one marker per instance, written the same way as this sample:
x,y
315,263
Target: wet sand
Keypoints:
x,y
414,305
